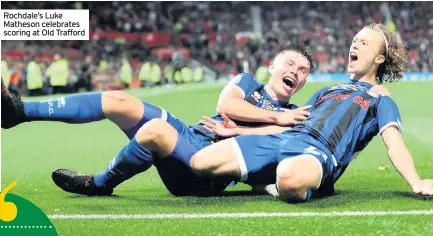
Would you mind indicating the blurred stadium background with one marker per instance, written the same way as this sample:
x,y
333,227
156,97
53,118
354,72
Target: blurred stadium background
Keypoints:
x,y
136,44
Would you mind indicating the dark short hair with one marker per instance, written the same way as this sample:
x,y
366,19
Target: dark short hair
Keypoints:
x,y
299,49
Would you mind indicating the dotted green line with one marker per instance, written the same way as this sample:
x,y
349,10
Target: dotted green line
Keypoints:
x,y
25,227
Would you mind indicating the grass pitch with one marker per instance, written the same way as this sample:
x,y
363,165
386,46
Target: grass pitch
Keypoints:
x,y
31,151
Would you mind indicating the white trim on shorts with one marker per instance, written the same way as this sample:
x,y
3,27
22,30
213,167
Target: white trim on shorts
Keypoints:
x,y
163,114
333,159
240,159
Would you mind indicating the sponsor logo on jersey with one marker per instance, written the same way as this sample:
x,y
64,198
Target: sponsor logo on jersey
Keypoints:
x,y
364,103
333,96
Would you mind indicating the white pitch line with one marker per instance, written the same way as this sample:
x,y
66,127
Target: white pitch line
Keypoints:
x,y
243,215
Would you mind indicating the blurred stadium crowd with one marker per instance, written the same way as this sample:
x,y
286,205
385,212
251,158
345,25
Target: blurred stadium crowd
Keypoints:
x,y
149,43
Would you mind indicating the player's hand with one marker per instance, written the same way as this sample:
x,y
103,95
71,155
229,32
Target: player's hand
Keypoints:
x,y
381,90
292,117
228,123
423,187
226,128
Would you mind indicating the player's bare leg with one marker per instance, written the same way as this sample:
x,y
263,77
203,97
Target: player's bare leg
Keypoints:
x,y
296,175
122,109
219,159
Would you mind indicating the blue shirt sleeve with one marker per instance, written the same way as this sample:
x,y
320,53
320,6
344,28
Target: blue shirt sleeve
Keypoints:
x,y
246,82
388,114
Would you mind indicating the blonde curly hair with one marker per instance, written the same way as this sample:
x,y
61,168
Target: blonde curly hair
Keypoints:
x,y
396,59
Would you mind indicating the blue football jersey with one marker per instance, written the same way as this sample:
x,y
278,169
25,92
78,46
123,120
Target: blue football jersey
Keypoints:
x,y
345,118
254,93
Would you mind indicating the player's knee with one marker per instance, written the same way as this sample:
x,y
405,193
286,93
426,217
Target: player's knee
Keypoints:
x,y
153,132
199,165
113,101
294,197
291,188
290,184
115,97
287,172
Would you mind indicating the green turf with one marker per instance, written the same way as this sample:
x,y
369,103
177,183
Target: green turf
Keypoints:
x,y
403,225
31,151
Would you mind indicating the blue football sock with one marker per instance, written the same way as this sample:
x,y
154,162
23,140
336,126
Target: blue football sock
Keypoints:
x,y
131,160
74,109
150,112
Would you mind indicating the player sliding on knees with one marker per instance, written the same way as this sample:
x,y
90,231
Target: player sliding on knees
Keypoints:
x,y
156,136
344,118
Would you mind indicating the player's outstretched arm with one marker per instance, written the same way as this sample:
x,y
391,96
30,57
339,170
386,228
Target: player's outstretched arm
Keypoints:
x,y
403,162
